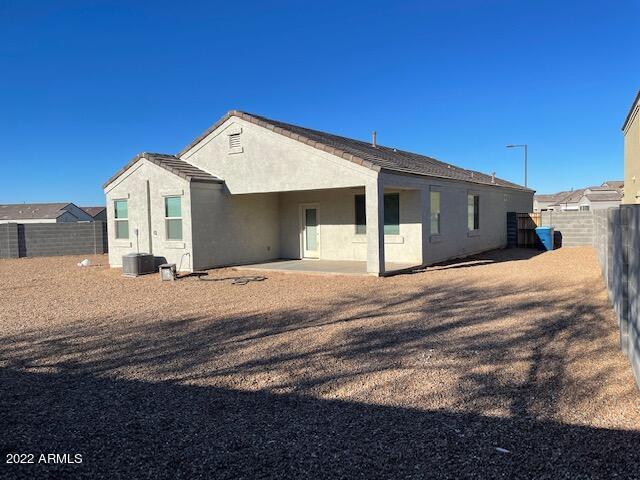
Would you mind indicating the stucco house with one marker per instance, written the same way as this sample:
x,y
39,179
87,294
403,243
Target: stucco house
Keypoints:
x,y
43,213
250,189
607,195
631,131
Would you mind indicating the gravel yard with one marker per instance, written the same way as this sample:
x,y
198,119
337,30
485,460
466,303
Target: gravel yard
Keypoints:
x,y
501,366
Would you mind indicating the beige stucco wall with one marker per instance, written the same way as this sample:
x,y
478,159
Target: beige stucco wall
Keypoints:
x,y
132,185
270,162
584,201
233,229
338,239
539,205
455,240
632,158
255,215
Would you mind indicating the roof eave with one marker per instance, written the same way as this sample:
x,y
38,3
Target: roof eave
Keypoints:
x,y
326,148
150,158
285,133
204,180
631,110
432,175
127,166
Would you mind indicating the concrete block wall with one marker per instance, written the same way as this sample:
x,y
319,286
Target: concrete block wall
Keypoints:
x,y
576,228
51,239
9,240
630,316
617,245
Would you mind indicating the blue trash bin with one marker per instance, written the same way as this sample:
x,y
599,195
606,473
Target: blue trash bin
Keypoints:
x,y
545,237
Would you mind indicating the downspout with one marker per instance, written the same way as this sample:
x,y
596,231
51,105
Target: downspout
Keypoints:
x,y
149,231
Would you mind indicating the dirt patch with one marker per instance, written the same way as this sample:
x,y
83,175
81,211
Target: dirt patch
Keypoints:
x,y
509,350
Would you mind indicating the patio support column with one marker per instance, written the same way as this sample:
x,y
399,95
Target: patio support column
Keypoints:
x,y
425,209
374,207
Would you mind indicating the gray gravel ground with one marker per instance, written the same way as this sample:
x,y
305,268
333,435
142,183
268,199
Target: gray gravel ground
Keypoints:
x,y
502,366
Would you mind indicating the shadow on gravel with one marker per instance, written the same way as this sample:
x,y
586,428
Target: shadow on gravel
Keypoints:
x,y
130,429
530,351
487,258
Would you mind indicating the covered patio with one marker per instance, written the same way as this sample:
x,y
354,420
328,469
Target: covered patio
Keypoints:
x,y
323,267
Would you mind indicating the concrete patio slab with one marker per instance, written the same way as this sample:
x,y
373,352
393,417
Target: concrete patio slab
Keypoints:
x,y
335,267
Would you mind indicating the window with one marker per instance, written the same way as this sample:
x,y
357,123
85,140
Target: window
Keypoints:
x,y
173,217
234,140
361,216
434,202
584,208
473,212
391,214
121,216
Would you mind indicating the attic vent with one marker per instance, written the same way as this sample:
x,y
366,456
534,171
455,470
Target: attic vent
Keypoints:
x,y
234,140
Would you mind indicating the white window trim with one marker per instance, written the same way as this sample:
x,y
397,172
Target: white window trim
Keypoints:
x,y
175,241
301,209
121,240
437,235
473,232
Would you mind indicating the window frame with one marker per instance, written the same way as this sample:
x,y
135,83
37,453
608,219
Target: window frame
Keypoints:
x,y
389,227
167,219
473,202
120,220
360,216
360,203
438,214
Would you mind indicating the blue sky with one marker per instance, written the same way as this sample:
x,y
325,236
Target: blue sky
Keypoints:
x,y
85,85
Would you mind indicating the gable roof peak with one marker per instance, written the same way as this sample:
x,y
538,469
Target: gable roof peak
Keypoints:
x,y
170,163
362,152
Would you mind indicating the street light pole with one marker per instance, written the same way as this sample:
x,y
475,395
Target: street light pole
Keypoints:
x,y
526,159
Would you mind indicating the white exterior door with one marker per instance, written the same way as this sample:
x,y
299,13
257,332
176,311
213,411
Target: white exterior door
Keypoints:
x,y
310,232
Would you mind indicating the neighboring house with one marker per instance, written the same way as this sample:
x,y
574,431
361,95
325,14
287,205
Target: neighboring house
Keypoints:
x,y
631,130
608,195
615,184
251,190
43,213
545,202
97,213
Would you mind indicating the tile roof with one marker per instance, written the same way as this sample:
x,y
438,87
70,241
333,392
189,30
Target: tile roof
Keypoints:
x,y
550,197
171,163
93,211
617,184
363,153
570,197
595,194
604,197
31,211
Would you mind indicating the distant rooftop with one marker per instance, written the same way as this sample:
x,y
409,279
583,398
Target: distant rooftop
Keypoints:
x,y
93,211
30,211
611,190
